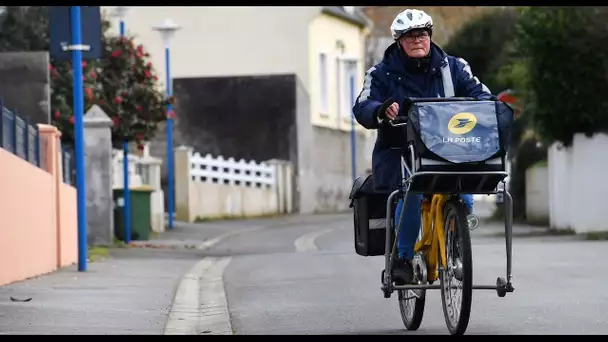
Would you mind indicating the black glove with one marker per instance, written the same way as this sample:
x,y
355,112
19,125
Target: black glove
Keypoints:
x,y
381,111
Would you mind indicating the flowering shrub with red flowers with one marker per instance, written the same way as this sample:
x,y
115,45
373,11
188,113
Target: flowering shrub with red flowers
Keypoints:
x,y
123,83
62,114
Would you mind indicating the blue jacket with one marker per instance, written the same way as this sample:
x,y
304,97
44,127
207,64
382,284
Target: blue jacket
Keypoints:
x,y
395,78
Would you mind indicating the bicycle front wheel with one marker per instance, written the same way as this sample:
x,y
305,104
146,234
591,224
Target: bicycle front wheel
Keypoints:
x,y
411,302
456,278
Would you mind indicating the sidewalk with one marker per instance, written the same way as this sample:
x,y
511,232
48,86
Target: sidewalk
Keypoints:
x,y
496,228
131,292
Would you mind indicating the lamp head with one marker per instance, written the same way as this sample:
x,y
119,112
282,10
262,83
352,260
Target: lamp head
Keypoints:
x,y
120,12
167,30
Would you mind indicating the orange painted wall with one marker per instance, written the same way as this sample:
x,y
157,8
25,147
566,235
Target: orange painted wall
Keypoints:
x,y
69,226
38,226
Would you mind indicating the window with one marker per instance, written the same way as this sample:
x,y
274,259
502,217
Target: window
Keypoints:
x,y
323,84
349,87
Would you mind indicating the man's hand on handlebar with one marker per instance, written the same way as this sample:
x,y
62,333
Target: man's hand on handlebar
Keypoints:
x,y
389,113
392,111
388,110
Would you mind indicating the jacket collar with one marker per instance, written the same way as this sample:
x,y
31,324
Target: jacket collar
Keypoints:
x,y
394,58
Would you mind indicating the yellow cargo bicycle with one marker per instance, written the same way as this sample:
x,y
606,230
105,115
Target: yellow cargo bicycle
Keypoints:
x,y
443,250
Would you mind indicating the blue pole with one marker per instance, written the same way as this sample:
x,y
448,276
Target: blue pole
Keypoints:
x,y
169,139
353,136
79,138
126,210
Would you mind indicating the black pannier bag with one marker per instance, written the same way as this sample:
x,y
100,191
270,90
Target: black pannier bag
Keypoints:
x,y
451,135
369,215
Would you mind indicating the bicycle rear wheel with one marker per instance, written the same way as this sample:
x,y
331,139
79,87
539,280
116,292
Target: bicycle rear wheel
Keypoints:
x,y
457,277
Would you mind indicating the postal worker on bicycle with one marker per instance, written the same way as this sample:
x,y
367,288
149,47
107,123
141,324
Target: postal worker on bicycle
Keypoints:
x,y
410,68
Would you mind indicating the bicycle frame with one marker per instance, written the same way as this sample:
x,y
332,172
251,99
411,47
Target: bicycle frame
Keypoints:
x,y
432,235
407,177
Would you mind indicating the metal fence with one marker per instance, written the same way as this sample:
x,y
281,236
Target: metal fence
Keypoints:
x,y
23,140
19,137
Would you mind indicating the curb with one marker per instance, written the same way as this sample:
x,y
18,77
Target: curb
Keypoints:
x,y
199,305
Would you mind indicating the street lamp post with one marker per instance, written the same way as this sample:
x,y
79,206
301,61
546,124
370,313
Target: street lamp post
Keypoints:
x,y
167,30
120,12
78,99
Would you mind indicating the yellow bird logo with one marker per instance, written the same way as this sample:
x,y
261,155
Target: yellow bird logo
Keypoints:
x,y
462,123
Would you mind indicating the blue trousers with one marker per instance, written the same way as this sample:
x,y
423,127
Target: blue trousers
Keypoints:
x,y
412,221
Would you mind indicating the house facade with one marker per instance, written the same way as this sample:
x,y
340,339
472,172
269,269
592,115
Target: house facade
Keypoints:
x,y
324,47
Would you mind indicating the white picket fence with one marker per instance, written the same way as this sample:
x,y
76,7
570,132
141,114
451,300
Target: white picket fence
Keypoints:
x,y
215,186
231,172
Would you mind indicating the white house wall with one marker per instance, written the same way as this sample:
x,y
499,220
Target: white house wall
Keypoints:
x,y
226,41
577,186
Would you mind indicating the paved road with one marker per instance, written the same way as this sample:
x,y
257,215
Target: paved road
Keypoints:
x,y
275,285
300,275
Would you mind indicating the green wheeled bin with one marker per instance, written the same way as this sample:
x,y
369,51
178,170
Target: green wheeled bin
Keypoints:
x,y
140,213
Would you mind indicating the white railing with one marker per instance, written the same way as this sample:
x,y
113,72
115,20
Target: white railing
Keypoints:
x,y
231,172
135,178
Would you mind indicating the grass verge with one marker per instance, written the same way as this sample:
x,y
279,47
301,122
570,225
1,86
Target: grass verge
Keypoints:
x,y
98,253
596,236
540,232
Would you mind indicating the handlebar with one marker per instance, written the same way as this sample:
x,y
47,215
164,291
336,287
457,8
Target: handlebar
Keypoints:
x,y
402,120
398,122
438,99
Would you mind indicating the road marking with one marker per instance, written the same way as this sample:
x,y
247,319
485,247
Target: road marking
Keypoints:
x,y
306,242
209,243
200,306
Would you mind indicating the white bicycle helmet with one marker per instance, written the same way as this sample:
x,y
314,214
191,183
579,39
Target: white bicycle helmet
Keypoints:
x,y
408,20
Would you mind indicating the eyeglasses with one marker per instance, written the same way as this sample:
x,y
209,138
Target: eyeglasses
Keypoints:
x,y
411,38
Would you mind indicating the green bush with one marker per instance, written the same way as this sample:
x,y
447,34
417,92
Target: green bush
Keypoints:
x,y
565,49
486,43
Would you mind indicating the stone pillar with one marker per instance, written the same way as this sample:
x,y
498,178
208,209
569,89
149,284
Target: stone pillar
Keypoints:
x,y
279,185
183,179
284,185
151,168
98,169
50,148
289,182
